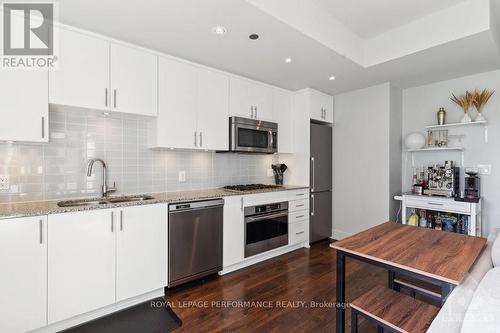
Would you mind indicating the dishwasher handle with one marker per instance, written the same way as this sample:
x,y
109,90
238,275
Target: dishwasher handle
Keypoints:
x,y
183,206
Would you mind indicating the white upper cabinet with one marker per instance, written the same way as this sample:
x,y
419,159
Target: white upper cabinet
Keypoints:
x,y
24,106
82,75
176,122
213,110
321,106
193,108
134,80
282,105
81,269
23,281
94,73
249,99
141,250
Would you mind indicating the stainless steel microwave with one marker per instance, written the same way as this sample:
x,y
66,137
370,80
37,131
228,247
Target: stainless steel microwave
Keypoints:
x,y
252,136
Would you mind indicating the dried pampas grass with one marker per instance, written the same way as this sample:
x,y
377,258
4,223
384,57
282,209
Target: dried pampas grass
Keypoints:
x,y
481,98
465,101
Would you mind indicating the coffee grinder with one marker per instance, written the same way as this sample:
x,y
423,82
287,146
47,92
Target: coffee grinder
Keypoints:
x,y
472,186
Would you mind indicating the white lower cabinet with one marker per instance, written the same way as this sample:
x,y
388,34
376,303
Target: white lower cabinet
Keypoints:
x,y
298,232
100,257
81,263
234,231
23,277
141,252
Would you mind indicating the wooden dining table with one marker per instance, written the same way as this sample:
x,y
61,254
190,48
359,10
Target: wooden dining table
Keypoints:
x,y
437,257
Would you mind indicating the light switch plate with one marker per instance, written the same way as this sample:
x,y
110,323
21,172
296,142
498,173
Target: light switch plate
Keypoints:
x,y
182,176
484,169
4,182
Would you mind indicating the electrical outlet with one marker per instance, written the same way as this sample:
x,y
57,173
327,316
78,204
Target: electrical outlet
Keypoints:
x,y
484,169
182,176
270,172
4,182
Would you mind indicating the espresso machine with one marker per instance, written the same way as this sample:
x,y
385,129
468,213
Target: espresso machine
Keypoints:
x,y
443,180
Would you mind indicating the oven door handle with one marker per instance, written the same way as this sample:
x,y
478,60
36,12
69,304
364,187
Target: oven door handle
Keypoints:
x,y
263,217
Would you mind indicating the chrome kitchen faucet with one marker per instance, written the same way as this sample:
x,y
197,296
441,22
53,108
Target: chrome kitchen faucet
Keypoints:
x,y
105,189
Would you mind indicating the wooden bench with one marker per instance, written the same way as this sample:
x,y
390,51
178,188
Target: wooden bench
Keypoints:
x,y
392,311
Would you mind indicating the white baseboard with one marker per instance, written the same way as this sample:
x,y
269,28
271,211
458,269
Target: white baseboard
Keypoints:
x,y
259,258
86,317
339,234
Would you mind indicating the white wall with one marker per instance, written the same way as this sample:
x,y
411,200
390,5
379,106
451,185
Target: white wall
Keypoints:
x,y
420,105
363,158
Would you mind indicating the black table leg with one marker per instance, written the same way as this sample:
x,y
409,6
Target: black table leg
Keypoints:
x,y
354,321
446,289
391,275
340,306
340,292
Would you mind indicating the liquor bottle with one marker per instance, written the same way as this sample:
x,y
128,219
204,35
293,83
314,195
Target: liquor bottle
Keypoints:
x,y
423,221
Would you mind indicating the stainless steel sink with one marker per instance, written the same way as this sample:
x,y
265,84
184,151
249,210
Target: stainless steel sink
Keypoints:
x,y
97,202
131,198
83,202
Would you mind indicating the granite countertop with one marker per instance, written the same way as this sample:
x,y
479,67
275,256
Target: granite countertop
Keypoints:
x,y
36,208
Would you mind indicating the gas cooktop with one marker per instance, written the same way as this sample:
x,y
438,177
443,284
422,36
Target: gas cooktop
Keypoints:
x,y
250,187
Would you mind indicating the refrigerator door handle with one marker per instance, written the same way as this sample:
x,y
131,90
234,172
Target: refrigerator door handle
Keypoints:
x,y
312,172
312,205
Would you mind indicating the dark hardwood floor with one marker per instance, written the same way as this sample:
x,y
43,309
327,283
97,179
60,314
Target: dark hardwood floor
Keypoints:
x,y
305,275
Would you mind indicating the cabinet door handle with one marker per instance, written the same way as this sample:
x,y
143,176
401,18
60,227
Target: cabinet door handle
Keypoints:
x,y
112,222
299,233
435,204
242,204
301,205
114,98
43,127
121,220
299,194
255,112
201,139
312,172
299,216
195,138
40,225
251,111
312,201
106,97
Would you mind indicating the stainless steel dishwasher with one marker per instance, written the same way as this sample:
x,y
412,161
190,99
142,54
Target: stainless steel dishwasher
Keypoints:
x,y
194,240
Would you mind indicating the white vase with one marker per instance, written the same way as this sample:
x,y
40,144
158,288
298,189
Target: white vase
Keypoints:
x,y
480,117
466,118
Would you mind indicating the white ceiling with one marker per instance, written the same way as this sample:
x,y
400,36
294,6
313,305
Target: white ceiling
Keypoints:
x,y
183,28
369,18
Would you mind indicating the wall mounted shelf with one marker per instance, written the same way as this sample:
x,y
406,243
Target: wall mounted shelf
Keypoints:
x,y
483,123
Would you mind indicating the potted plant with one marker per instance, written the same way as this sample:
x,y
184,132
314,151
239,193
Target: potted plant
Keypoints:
x,y
465,101
480,100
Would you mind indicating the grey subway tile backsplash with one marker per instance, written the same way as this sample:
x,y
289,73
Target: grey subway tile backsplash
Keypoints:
x,y
58,169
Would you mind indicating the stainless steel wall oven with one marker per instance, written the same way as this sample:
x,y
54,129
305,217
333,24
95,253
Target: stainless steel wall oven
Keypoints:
x,y
266,227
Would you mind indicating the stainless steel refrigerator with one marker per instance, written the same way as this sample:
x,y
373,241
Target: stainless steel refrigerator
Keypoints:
x,y
321,183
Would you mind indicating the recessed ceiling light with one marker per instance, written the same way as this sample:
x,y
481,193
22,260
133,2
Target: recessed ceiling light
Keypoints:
x,y
253,36
331,78
219,30
288,60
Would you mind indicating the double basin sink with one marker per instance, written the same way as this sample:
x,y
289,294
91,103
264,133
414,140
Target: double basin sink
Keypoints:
x,y
104,201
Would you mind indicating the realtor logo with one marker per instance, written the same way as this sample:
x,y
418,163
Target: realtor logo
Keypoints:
x,y
28,35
